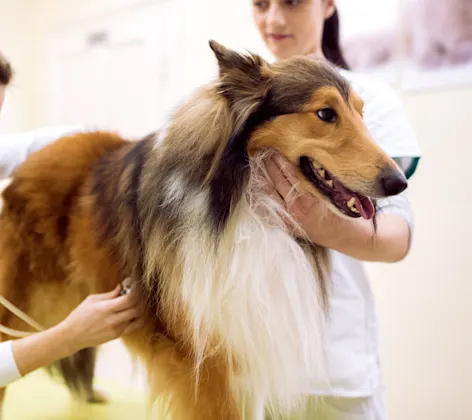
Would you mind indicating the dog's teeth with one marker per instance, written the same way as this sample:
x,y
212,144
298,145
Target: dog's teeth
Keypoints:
x,y
352,205
330,183
315,164
321,173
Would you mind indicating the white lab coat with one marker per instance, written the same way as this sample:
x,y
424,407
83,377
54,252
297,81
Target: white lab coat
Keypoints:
x,y
14,148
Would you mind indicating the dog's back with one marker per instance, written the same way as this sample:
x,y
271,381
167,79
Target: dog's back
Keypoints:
x,y
39,207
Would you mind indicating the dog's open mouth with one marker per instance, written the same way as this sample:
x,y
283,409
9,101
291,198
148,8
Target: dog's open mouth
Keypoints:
x,y
348,202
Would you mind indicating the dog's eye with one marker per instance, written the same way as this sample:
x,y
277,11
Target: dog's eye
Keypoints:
x,y
328,115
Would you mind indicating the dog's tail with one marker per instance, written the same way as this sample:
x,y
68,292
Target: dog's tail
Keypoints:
x,y
77,372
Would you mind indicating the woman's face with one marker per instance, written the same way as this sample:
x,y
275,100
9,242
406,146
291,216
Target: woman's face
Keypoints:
x,y
292,27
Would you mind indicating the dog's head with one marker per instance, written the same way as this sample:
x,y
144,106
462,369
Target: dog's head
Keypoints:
x,y
306,110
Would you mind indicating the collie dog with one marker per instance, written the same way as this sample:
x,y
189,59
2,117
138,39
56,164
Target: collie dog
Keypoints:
x,y
235,303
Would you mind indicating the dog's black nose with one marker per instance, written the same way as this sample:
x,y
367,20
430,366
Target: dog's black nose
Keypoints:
x,y
394,183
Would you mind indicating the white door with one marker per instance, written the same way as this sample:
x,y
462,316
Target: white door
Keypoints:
x,y
77,85
115,73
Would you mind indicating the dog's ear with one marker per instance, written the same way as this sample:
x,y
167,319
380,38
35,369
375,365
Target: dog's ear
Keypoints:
x,y
244,78
249,67
231,60
245,82
227,59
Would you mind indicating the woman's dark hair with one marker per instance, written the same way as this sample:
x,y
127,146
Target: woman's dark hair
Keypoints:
x,y
6,71
330,43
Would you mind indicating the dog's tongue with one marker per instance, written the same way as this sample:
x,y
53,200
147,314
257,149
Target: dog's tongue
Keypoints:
x,y
365,207
363,204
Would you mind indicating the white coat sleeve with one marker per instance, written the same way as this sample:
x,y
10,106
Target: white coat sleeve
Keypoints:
x,y
8,368
15,148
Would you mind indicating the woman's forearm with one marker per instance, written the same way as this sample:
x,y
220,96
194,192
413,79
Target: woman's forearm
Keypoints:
x,y
389,243
97,320
40,349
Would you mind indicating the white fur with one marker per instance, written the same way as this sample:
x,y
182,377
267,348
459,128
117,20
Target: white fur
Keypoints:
x,y
161,136
256,297
174,188
3,184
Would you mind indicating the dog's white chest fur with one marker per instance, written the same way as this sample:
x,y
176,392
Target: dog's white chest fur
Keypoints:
x,y
3,184
256,298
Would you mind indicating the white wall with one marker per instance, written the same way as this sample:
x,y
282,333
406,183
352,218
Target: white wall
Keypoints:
x,y
15,35
424,302
55,16
198,21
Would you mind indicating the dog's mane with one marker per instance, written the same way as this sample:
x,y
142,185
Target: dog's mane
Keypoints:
x,y
199,156
203,147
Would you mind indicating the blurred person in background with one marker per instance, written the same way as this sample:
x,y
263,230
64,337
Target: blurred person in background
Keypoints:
x,y
312,28
14,148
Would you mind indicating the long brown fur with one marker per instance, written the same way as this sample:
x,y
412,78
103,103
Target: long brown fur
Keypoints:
x,y
91,209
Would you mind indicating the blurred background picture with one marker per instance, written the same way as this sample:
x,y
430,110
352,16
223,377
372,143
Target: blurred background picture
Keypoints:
x,y
370,35
420,44
437,43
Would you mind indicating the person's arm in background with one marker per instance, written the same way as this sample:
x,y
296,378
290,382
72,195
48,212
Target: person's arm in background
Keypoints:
x,y
97,320
15,148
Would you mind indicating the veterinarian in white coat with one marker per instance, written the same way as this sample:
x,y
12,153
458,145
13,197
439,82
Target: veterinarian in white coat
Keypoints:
x,y
98,319
311,27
